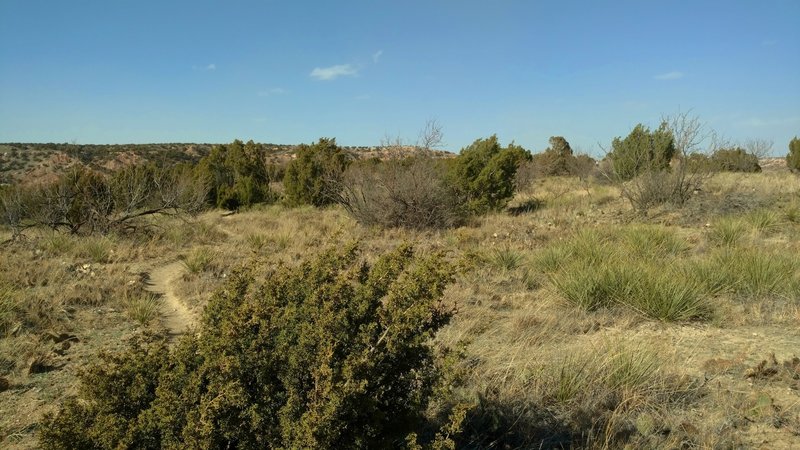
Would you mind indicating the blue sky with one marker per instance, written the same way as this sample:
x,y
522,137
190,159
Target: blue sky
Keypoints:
x,y
289,72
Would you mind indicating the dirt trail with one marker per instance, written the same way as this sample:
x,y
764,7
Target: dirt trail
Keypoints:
x,y
177,317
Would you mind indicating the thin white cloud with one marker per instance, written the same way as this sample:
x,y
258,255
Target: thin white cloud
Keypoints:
x,y
377,56
272,91
758,122
333,72
211,66
674,75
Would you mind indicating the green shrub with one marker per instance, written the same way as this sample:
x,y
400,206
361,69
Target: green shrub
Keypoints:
x,y
699,162
312,177
642,151
793,157
555,160
331,354
237,174
735,160
483,174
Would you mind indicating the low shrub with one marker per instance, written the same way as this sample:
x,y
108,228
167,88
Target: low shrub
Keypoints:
x,y
793,157
642,151
311,178
334,353
483,174
409,193
735,160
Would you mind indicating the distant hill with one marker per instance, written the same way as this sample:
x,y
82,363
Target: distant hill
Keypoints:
x,y
24,162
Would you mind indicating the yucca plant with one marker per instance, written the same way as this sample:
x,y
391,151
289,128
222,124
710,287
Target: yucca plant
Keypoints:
x,y
727,232
199,260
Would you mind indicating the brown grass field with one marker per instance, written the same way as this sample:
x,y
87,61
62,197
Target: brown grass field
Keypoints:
x,y
699,348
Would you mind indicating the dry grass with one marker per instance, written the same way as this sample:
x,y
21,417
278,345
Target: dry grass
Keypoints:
x,y
581,324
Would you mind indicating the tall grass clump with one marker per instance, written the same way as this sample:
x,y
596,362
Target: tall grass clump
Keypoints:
x,y
758,273
764,221
97,249
712,274
199,260
652,241
628,270
256,241
506,258
792,214
746,272
664,295
590,287
588,399
728,231
142,307
587,246
58,243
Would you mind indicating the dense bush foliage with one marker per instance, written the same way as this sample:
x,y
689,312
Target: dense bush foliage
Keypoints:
x,y
237,174
793,157
312,177
410,193
557,160
331,354
642,150
483,174
734,160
